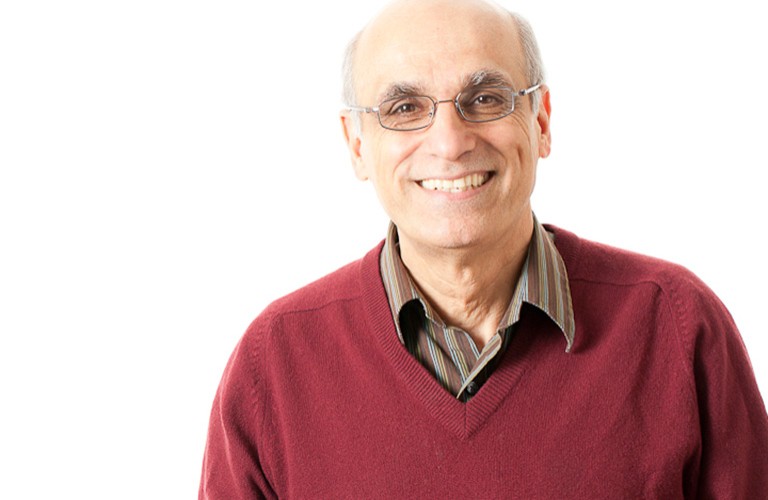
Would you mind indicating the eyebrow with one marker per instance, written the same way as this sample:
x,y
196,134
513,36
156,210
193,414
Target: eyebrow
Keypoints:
x,y
401,89
485,77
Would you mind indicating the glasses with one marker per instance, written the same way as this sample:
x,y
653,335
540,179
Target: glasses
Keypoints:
x,y
475,104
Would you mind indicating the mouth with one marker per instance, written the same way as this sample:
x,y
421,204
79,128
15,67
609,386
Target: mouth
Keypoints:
x,y
466,183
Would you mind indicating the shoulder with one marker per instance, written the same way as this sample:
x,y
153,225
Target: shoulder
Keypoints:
x,y
606,277
324,296
589,261
341,284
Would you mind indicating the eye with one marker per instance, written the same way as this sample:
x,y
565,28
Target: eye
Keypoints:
x,y
486,98
404,106
487,103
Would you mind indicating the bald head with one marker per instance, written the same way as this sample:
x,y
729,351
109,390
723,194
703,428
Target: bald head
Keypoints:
x,y
431,30
407,20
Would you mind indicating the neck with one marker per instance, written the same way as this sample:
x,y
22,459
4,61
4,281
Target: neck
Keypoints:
x,y
462,287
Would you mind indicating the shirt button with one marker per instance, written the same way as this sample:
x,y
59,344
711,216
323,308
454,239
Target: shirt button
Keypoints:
x,y
472,388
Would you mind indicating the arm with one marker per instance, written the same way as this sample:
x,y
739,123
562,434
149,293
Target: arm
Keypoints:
x,y
733,460
231,467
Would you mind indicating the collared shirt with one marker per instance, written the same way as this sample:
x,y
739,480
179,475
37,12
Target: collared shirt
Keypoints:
x,y
449,353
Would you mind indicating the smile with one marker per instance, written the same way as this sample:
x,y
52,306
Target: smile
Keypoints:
x,y
471,181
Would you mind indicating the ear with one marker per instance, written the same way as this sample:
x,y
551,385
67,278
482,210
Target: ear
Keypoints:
x,y
545,111
354,142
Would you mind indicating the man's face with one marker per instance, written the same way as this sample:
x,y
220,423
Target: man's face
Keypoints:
x,y
418,175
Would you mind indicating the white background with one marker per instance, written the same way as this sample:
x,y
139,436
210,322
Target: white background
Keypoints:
x,y
167,168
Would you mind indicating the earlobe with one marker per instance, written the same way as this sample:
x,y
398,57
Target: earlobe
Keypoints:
x,y
354,143
545,112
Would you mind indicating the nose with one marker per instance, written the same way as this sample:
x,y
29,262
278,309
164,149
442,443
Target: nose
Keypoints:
x,y
449,136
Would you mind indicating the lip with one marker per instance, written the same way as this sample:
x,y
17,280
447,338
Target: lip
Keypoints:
x,y
458,185
456,176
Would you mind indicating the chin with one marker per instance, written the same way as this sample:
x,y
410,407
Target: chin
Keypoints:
x,y
453,238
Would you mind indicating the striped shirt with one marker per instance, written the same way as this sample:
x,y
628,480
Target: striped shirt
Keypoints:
x,y
449,353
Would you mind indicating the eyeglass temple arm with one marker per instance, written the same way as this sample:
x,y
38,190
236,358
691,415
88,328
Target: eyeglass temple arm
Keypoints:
x,y
375,109
529,90
362,109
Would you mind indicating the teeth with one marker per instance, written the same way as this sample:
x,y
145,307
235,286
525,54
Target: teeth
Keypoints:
x,y
471,181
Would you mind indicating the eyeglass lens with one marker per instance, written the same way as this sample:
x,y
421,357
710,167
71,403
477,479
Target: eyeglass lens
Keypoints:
x,y
478,104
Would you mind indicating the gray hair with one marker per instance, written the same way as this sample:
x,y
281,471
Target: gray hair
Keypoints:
x,y
534,68
348,94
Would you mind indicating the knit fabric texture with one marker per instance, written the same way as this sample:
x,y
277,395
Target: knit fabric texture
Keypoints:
x,y
656,399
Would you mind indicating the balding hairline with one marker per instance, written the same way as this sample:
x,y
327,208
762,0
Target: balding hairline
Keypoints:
x,y
534,68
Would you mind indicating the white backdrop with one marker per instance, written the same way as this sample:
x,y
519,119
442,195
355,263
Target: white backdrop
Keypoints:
x,y
167,168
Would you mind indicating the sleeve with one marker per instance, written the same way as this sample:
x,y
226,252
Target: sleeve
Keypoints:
x,y
231,465
733,460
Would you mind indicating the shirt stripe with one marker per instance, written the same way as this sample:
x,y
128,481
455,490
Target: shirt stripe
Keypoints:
x,y
449,353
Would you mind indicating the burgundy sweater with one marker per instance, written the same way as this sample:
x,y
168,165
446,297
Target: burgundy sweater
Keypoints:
x,y
656,399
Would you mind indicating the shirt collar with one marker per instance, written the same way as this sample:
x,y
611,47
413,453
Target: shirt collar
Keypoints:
x,y
543,283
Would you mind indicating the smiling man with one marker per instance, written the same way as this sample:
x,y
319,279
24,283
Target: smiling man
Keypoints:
x,y
477,353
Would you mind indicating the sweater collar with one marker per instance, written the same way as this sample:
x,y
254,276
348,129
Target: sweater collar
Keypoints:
x,y
543,283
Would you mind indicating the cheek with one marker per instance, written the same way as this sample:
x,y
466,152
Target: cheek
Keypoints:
x,y
387,158
513,144
523,142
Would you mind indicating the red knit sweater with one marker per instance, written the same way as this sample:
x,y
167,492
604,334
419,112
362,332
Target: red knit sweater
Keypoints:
x,y
655,400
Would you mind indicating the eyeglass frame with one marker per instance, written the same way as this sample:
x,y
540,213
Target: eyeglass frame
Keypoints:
x,y
436,102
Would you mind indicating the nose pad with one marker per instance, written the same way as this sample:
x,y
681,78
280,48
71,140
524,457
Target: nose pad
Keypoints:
x,y
433,114
458,109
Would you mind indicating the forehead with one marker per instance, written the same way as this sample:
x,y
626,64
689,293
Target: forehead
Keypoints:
x,y
437,48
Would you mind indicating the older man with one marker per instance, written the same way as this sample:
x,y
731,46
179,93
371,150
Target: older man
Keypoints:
x,y
476,353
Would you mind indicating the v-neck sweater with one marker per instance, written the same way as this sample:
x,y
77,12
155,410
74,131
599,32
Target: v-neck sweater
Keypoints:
x,y
448,352
656,398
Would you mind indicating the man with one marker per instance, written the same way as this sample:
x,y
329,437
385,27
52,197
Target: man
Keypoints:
x,y
476,353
